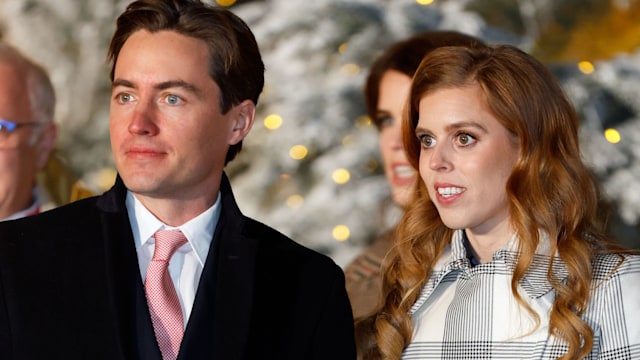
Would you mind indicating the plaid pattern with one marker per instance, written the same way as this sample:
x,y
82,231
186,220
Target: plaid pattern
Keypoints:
x,y
468,312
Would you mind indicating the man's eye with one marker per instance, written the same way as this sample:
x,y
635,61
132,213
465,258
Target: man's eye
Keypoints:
x,y
124,98
173,99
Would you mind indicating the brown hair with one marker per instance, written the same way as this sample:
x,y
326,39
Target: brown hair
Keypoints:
x,y
404,57
235,63
549,190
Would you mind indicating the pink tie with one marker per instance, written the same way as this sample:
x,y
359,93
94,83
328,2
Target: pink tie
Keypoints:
x,y
164,306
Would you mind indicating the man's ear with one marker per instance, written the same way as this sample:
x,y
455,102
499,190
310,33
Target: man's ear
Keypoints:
x,y
242,121
46,143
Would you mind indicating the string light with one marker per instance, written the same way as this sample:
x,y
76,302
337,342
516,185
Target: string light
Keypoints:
x,y
298,152
341,232
425,2
295,201
363,121
341,176
225,2
586,67
273,121
342,48
612,136
350,69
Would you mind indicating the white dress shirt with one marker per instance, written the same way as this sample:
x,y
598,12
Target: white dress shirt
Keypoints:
x,y
186,264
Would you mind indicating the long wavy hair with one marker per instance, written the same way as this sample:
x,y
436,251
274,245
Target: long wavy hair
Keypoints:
x,y
549,190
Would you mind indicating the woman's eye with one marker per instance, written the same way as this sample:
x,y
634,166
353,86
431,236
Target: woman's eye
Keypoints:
x,y
465,139
384,121
427,141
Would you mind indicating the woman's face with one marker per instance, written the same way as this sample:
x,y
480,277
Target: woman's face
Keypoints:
x,y
466,158
394,88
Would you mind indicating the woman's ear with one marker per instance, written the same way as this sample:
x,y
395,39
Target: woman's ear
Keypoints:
x,y
242,121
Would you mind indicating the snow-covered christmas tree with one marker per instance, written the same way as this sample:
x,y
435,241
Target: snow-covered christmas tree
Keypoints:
x,y
310,166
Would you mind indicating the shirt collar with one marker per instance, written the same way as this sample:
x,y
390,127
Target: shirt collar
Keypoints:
x,y
198,231
534,282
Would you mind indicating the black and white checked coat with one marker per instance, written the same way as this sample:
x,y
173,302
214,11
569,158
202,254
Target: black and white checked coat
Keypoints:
x,y
467,312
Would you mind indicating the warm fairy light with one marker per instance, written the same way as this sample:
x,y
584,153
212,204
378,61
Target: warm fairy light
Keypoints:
x,y
348,139
373,165
342,48
425,2
298,152
363,120
341,232
612,136
341,176
295,201
586,67
273,121
285,176
225,2
350,69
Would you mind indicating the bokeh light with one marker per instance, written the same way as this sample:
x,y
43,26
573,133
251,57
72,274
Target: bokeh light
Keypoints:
x,y
273,121
225,2
295,201
341,232
298,152
350,69
586,67
341,176
612,136
425,2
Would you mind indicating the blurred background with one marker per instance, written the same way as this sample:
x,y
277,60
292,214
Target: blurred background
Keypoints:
x,y
310,167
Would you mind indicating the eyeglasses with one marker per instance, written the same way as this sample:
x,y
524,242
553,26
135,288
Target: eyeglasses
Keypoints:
x,y
7,128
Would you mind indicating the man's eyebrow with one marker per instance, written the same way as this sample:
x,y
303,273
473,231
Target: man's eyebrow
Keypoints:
x,y
177,84
121,82
160,86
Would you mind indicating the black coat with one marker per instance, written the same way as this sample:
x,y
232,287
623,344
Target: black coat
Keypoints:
x,y
70,288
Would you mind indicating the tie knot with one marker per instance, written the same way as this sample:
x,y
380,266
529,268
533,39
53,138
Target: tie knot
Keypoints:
x,y
167,242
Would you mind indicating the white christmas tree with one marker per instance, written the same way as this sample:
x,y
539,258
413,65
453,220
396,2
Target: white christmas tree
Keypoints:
x,y
310,166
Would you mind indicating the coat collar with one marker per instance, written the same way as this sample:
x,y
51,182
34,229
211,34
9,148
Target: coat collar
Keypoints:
x,y
221,315
534,283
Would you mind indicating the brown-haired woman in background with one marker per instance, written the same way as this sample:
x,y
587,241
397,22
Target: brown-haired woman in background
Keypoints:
x,y
386,92
500,254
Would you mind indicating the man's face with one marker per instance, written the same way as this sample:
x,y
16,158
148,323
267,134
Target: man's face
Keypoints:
x,y
168,136
20,161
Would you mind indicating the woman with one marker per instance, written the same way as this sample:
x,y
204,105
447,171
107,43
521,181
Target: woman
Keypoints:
x,y
386,90
501,253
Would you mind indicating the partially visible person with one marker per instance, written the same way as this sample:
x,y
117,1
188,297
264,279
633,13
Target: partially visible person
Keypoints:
x,y
501,253
27,133
164,265
386,91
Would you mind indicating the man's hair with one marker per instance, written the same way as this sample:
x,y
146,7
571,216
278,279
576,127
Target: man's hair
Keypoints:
x,y
235,63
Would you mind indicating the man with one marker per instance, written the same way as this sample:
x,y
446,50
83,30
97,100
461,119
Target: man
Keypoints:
x,y
27,132
83,281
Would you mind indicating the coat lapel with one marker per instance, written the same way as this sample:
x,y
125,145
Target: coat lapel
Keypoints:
x,y
219,323
132,320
